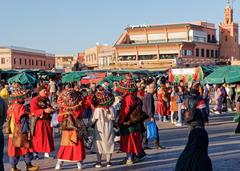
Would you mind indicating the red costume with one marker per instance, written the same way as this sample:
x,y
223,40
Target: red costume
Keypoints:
x,y
42,138
72,147
161,103
129,143
16,111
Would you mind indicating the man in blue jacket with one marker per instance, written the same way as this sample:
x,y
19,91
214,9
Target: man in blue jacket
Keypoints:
x,y
149,108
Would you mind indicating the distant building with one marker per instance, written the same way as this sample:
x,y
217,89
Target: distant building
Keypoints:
x,y
107,57
159,46
65,62
183,44
228,31
98,55
25,58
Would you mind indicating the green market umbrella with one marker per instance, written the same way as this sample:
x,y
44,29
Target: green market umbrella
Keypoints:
x,y
226,74
72,77
23,78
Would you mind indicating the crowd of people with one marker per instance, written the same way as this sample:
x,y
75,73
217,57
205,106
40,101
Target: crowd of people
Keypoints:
x,y
120,113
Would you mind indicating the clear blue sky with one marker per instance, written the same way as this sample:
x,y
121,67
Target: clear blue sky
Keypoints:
x,y
70,26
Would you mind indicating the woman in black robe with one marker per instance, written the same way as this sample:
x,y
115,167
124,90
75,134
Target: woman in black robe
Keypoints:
x,y
195,155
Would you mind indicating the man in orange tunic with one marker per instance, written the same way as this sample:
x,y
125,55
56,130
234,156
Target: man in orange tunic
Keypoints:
x,y
19,143
41,109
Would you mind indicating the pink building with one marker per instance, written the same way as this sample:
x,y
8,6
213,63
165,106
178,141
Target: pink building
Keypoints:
x,y
24,58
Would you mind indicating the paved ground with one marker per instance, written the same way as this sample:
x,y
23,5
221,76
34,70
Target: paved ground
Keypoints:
x,y
224,150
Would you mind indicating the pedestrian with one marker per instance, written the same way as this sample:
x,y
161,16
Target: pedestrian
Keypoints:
x,y
52,85
219,99
180,106
3,112
162,103
206,98
224,98
174,105
41,111
229,91
141,91
103,119
149,108
130,134
195,155
4,94
195,114
19,138
168,92
237,130
70,114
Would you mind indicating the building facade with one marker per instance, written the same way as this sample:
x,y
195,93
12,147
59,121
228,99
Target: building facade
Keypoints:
x,y
107,57
24,58
65,62
155,46
184,44
98,56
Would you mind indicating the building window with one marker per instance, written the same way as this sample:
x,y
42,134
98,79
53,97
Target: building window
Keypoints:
x,y
197,52
145,57
213,38
14,61
216,53
168,56
44,63
209,38
29,62
32,62
226,38
207,53
212,53
20,61
2,60
41,63
127,58
36,62
49,66
25,61
187,52
202,52
235,38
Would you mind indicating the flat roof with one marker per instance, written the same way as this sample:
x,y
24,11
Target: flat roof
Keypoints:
x,y
200,24
23,49
143,44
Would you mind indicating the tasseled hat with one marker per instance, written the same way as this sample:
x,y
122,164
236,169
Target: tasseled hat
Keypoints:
x,y
70,100
127,85
104,98
18,93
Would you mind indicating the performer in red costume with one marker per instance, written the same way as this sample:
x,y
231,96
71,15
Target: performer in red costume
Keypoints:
x,y
19,141
41,110
130,139
72,144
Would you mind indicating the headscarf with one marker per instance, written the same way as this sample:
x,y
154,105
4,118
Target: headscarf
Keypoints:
x,y
195,155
